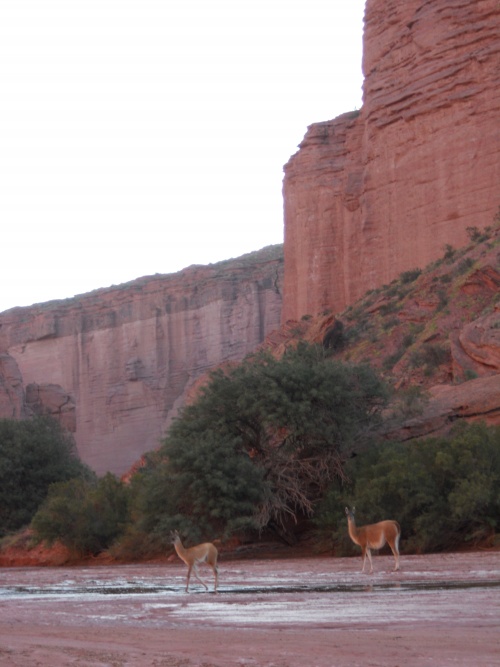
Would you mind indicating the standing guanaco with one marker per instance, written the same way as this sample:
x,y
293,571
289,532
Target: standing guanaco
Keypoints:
x,y
201,553
374,536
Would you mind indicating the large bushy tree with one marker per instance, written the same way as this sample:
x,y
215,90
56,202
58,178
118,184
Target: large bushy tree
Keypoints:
x,y
262,442
34,454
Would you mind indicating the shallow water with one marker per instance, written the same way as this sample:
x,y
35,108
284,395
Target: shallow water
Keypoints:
x,y
133,589
317,592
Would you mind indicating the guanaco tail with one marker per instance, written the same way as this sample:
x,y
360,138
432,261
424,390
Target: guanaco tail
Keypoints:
x,y
202,553
374,536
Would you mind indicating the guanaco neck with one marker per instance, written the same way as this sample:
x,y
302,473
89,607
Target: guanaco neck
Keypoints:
x,y
351,527
179,547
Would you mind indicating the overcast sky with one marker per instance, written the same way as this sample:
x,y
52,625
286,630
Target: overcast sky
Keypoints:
x,y
143,136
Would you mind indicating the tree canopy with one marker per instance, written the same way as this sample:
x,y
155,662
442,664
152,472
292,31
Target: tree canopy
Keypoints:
x,y
34,454
262,442
85,515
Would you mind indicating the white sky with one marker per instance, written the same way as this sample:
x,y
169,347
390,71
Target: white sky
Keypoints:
x,y
143,136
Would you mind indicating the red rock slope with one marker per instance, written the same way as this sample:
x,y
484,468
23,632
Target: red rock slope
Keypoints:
x,y
434,335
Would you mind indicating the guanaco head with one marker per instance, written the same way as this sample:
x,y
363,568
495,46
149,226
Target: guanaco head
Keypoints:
x,y
350,513
174,536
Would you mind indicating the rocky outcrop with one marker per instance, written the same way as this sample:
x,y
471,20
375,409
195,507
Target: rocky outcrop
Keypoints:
x,y
53,400
322,188
475,400
115,365
371,194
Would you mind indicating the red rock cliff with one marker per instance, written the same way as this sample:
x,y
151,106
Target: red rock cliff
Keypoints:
x,y
114,365
371,194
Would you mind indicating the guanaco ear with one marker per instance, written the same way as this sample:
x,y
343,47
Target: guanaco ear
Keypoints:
x,y
347,510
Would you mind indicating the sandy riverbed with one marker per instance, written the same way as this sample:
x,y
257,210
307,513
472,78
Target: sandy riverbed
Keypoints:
x,y
438,610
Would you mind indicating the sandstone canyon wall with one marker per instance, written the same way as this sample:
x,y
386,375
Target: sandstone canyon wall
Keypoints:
x,y
376,192
114,365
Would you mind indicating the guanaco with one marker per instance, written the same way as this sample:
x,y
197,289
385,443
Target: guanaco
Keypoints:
x,y
374,536
201,553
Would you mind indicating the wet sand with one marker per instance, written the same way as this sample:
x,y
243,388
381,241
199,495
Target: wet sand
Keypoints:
x,y
438,610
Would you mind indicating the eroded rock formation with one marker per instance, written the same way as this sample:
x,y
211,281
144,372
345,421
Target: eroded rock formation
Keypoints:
x,y
114,365
371,194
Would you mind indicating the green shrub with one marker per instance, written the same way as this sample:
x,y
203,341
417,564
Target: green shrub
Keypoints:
x,y
408,340
410,276
464,265
390,323
431,355
391,307
445,492
391,360
86,516
434,354
478,236
34,454
449,253
443,299
356,331
408,403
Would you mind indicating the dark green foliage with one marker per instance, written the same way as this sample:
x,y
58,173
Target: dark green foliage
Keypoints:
x,y
444,278
390,307
431,355
206,485
261,443
410,276
86,516
407,403
444,491
434,354
449,253
478,236
34,454
390,361
408,339
443,299
473,233
464,265
390,323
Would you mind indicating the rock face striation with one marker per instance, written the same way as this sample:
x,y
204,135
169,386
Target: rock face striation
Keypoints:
x,y
115,365
376,192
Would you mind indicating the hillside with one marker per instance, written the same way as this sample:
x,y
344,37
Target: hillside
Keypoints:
x,y
434,334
